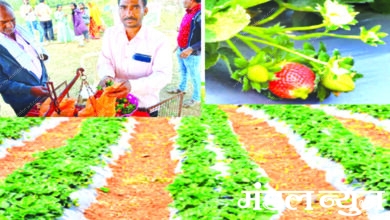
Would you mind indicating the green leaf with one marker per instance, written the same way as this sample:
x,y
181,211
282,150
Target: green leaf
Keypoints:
x,y
213,4
246,85
229,54
322,93
243,72
211,60
236,76
259,58
227,62
105,189
240,63
248,3
212,55
256,86
306,3
322,47
308,46
323,56
225,24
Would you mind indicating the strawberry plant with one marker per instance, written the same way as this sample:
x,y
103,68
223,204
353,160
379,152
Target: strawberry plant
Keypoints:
x,y
273,46
198,191
381,112
13,127
360,158
41,189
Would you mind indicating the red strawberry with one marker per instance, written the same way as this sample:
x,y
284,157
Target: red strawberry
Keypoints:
x,y
98,94
295,80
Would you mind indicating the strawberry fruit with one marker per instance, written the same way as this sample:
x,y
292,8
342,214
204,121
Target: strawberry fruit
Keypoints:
x,y
295,80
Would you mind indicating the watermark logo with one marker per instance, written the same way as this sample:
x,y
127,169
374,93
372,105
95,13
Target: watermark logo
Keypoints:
x,y
351,200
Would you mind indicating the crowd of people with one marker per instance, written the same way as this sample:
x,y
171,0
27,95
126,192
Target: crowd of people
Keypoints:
x,y
136,55
84,18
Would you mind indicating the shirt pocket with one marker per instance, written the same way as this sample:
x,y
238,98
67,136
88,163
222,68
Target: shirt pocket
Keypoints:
x,y
139,68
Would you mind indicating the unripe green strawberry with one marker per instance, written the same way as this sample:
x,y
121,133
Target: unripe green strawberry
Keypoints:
x,y
258,73
339,83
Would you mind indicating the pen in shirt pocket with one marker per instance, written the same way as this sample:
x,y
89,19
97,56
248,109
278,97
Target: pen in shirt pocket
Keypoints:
x,y
142,57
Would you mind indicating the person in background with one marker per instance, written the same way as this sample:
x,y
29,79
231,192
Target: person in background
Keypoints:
x,y
64,33
189,51
86,17
28,14
43,12
23,74
137,55
114,12
96,25
80,29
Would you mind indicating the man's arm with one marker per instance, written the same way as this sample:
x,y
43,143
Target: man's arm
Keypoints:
x,y
105,64
197,45
8,86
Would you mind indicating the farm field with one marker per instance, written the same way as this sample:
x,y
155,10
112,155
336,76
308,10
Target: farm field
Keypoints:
x,y
198,167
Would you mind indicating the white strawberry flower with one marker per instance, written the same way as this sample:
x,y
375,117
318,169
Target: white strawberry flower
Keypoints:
x,y
337,69
337,14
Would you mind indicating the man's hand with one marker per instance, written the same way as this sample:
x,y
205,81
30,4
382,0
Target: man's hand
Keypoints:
x,y
39,91
186,53
102,82
122,90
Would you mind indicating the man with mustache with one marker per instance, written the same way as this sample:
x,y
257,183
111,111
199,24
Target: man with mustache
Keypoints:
x,y
23,74
137,55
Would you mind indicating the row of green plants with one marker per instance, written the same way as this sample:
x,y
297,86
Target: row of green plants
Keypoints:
x,y
243,173
381,112
13,128
193,189
360,158
199,192
41,189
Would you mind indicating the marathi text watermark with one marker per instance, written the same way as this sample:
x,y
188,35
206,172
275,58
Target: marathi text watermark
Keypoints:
x,y
351,200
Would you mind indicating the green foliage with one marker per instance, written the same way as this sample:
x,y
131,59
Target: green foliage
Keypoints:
x,y
41,189
381,112
198,192
360,158
12,128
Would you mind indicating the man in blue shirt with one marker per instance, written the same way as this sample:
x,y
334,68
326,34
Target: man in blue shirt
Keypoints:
x,y
23,74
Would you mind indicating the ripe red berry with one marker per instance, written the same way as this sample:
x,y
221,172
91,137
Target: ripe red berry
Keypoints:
x,y
295,80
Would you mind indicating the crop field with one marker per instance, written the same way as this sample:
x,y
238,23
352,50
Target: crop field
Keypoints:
x,y
196,167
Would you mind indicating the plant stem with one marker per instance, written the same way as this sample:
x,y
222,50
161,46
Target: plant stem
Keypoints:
x,y
317,35
306,28
244,38
271,17
293,7
257,31
253,46
235,49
